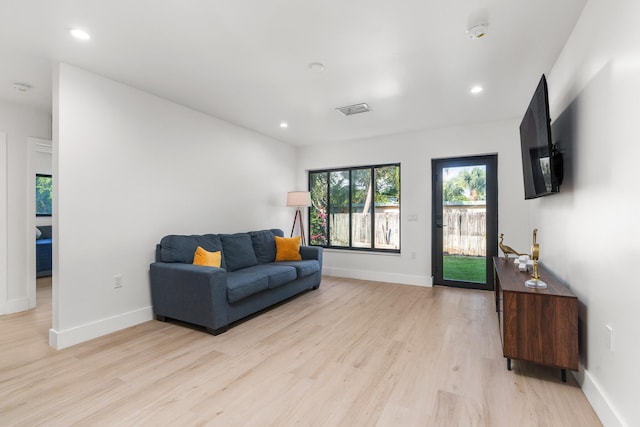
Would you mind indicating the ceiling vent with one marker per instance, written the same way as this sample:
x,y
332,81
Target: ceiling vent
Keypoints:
x,y
354,109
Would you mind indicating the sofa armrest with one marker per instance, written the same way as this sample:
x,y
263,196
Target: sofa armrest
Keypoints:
x,y
312,252
191,293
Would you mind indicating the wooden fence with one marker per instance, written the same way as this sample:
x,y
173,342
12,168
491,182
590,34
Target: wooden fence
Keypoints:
x,y
387,233
466,230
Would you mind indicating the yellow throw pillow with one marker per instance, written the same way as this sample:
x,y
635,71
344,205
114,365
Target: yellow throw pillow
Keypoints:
x,y
288,248
209,259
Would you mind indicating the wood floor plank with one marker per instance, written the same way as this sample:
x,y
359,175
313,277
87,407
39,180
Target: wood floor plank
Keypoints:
x,y
356,353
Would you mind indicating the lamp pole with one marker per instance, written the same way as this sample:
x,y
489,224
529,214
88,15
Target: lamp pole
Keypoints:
x,y
298,218
299,200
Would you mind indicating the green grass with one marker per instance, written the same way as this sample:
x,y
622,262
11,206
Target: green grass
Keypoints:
x,y
464,268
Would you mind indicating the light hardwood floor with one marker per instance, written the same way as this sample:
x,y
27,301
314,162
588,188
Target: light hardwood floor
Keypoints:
x,y
353,353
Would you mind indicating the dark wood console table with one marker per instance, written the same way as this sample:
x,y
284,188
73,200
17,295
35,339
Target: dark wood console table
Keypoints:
x,y
536,325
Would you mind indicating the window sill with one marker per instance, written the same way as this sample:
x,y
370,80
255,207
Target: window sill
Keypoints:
x,y
359,252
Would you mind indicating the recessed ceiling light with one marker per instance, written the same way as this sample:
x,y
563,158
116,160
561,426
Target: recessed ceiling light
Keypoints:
x,y
22,87
476,90
284,125
316,67
79,34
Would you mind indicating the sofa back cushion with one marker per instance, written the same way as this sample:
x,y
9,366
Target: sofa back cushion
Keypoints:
x,y
264,245
277,232
237,250
177,248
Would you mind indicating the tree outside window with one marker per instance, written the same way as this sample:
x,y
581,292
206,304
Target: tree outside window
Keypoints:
x,y
43,195
469,185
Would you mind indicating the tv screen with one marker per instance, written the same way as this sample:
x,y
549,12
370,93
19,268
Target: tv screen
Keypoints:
x,y
540,160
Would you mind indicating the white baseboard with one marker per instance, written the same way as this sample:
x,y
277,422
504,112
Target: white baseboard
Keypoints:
x,y
403,279
599,402
16,305
78,334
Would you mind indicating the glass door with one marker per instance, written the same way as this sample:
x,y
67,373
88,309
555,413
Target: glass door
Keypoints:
x,y
465,221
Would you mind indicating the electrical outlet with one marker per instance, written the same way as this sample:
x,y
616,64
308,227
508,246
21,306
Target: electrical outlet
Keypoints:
x,y
610,340
117,281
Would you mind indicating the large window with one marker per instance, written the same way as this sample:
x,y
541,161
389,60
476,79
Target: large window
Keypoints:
x,y
356,208
43,195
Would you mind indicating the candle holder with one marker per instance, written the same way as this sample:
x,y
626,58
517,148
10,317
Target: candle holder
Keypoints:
x,y
535,281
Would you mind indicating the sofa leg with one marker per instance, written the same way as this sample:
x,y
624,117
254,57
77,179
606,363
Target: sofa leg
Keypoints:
x,y
161,318
218,331
315,287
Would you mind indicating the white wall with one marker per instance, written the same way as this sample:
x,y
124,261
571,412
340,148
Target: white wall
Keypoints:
x,y
19,123
130,168
3,221
414,152
43,160
589,232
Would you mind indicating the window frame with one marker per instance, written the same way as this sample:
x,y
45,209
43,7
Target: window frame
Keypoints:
x,y
350,246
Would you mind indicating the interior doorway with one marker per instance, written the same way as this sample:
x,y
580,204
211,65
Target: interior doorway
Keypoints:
x,y
39,162
464,221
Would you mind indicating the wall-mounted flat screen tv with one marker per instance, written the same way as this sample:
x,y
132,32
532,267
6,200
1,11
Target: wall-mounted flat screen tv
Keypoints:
x,y
541,161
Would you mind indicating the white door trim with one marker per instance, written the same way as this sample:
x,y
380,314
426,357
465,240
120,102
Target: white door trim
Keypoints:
x,y
4,282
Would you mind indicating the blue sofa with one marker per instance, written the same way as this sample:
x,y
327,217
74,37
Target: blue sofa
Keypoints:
x,y
43,251
248,280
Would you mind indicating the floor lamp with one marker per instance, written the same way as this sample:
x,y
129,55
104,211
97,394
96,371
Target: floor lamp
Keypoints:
x,y
299,200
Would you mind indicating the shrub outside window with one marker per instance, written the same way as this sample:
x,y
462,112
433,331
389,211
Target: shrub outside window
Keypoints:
x,y
356,208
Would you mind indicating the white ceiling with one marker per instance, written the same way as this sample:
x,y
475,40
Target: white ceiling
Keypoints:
x,y
246,61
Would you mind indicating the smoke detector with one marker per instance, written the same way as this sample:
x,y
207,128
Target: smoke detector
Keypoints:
x,y
477,31
354,109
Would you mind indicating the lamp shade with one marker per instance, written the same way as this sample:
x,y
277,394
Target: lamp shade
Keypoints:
x,y
298,198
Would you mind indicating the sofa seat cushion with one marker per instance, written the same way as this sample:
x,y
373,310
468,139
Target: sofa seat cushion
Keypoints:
x,y
238,251
303,268
241,285
277,274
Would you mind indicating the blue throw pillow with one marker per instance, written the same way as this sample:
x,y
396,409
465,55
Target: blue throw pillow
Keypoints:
x,y
237,250
264,246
